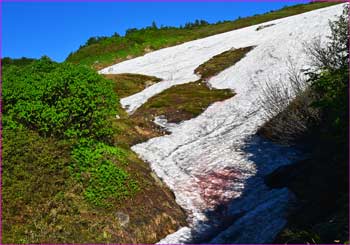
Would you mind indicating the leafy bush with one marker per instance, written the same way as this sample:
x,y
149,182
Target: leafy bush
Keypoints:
x,y
330,78
94,165
61,100
333,87
74,102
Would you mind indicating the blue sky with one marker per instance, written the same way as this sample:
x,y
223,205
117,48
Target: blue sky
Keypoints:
x,y
34,29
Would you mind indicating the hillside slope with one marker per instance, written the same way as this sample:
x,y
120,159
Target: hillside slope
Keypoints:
x,y
100,52
214,163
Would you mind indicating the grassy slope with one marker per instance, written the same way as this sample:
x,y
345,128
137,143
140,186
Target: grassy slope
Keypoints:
x,y
115,49
129,84
182,102
179,103
43,203
220,62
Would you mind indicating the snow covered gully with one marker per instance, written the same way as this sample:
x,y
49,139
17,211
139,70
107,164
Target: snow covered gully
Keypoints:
x,y
214,163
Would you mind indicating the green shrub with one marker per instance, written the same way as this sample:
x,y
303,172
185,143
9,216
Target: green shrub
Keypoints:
x,y
7,61
333,87
94,165
61,100
331,78
74,102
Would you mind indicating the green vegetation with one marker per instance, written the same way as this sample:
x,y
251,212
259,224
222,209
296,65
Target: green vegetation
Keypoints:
x,y
182,102
64,178
63,143
46,104
17,62
220,62
60,100
44,203
331,80
179,103
94,166
128,84
104,51
185,101
68,170
75,103
34,174
176,104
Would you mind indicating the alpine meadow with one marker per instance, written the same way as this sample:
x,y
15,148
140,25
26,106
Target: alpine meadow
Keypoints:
x,y
224,133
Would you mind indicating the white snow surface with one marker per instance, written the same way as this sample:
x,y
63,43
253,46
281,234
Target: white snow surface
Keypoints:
x,y
214,163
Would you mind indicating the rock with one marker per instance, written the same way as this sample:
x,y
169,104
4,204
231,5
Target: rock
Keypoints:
x,y
148,49
122,218
158,181
53,212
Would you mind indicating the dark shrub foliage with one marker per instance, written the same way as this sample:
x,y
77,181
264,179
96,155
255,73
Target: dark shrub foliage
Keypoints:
x,y
321,181
17,62
331,77
93,40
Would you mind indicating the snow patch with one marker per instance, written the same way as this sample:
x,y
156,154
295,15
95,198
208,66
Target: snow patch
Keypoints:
x,y
213,163
163,122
